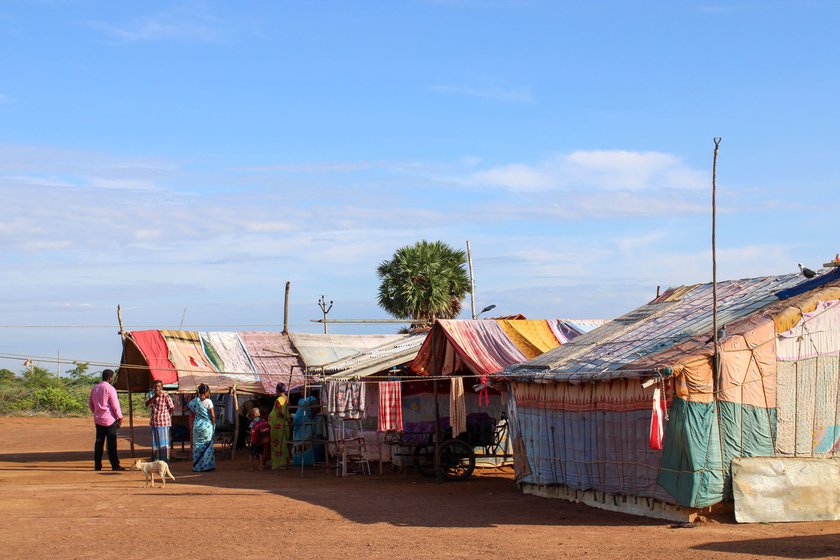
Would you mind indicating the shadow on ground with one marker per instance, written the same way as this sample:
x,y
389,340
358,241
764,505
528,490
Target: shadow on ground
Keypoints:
x,y
806,546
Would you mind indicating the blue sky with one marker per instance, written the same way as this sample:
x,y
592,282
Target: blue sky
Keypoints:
x,y
199,154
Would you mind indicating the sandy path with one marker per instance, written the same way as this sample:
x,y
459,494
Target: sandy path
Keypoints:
x,y
52,504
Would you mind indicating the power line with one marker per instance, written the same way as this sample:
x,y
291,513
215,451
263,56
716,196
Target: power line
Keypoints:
x,y
155,327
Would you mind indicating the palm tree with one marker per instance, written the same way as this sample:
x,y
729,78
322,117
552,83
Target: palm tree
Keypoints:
x,y
424,281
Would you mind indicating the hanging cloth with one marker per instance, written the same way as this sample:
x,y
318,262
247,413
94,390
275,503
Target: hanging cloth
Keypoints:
x,y
482,391
345,399
457,406
390,406
657,420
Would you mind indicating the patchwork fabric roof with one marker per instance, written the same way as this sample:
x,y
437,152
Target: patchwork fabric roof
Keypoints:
x,y
378,359
252,361
488,346
643,341
318,350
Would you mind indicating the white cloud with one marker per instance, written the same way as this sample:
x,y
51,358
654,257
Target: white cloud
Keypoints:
x,y
492,93
190,22
148,234
122,183
610,170
4,99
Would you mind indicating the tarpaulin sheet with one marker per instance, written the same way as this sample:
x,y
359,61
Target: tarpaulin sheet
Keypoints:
x,y
378,360
532,337
481,345
816,334
318,350
231,352
156,352
187,354
567,435
275,359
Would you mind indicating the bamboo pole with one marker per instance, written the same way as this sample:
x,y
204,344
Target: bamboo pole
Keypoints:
x,y
436,460
235,422
714,265
127,384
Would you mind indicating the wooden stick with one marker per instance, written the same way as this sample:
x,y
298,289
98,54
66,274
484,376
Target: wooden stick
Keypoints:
x,y
714,266
436,460
235,421
128,385
130,416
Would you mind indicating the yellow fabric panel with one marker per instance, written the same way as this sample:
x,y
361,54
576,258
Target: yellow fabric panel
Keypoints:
x,y
532,337
187,336
788,317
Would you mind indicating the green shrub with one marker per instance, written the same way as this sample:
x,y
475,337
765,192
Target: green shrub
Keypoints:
x,y
12,399
57,399
7,376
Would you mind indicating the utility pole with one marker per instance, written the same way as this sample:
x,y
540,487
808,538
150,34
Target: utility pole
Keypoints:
x,y
325,309
286,309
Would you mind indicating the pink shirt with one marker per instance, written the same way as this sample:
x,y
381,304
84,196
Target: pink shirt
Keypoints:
x,y
104,404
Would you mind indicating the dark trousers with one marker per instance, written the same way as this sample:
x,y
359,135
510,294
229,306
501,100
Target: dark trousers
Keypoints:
x,y
106,434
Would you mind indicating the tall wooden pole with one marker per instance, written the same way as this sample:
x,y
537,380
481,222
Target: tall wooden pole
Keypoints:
x,y
472,280
438,435
127,384
714,265
286,309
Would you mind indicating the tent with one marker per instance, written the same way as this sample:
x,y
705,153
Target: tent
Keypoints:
x,y
250,361
462,348
486,346
584,424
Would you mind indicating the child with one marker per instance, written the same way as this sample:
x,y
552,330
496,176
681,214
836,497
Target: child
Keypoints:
x,y
260,438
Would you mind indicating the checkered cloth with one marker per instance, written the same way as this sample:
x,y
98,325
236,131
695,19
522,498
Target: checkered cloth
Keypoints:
x,y
390,406
161,442
160,411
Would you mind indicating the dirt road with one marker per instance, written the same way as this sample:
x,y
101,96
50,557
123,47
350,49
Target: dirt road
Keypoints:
x,y
53,505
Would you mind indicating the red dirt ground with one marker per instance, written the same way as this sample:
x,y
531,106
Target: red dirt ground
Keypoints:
x,y
53,505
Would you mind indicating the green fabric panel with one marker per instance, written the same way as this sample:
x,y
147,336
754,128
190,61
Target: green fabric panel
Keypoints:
x,y
690,469
212,355
748,431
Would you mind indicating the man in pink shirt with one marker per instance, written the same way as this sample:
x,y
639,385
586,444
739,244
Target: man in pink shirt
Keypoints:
x,y
107,416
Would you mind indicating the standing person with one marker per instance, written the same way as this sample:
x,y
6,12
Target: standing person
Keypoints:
x,y
260,439
204,422
160,419
279,421
107,417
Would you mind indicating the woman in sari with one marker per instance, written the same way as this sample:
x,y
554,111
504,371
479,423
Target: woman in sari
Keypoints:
x,y
279,422
204,421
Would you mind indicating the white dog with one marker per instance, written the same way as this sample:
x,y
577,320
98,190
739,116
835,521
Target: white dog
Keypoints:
x,y
150,468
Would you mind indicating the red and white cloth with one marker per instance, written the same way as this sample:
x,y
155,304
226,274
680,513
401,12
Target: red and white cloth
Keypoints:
x,y
657,420
390,406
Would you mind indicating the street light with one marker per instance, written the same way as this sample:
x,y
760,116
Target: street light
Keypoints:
x,y
488,308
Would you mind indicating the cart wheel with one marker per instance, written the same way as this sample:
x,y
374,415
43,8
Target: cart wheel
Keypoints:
x,y
424,459
456,460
